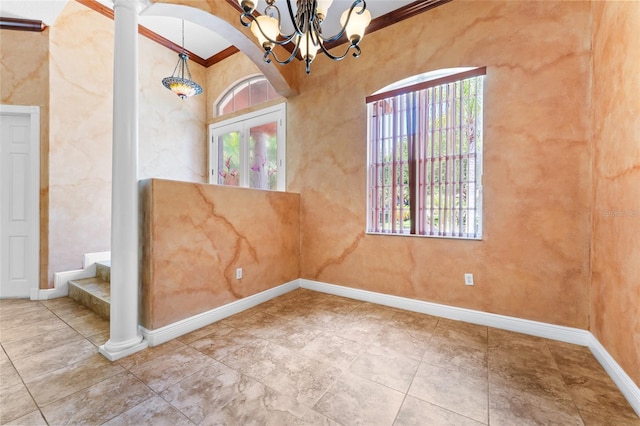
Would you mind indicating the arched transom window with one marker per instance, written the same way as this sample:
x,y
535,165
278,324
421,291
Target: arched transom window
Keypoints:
x,y
249,92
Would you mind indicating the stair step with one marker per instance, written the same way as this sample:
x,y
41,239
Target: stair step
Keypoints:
x,y
103,270
94,293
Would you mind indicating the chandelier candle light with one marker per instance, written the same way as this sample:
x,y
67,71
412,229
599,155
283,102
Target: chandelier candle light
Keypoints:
x,y
177,83
307,34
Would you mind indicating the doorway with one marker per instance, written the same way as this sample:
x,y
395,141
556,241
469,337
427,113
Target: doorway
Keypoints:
x,y
19,201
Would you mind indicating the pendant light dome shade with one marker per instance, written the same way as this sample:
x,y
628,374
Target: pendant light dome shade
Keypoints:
x,y
182,86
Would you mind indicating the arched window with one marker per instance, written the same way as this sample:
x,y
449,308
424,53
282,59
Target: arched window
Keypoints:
x,y
249,92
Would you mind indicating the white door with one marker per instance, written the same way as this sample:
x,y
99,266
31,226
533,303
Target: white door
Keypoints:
x,y
19,201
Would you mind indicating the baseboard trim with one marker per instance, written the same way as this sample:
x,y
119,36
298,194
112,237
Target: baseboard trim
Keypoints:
x,y
534,328
550,331
61,282
90,258
187,325
626,385
61,279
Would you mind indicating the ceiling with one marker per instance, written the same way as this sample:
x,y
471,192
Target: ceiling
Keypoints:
x,y
203,42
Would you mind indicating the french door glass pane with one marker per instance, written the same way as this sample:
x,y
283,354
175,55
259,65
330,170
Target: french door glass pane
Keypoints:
x,y
263,156
229,159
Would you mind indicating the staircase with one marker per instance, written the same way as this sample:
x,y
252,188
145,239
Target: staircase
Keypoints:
x,y
94,292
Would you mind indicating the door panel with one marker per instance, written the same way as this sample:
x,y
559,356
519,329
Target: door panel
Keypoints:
x,y
19,207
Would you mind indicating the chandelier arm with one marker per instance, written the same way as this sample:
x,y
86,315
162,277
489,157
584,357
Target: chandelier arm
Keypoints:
x,y
275,58
340,33
250,18
339,57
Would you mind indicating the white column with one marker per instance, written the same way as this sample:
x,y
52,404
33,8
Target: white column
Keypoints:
x,y
125,338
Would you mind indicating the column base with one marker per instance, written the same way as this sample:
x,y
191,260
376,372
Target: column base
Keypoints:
x,y
114,352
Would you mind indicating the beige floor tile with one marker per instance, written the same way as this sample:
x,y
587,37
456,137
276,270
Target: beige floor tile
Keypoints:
x,y
262,325
100,338
280,364
222,342
313,418
294,335
149,354
32,330
449,355
202,395
34,315
386,367
257,404
602,418
34,418
53,359
256,358
543,383
519,351
509,407
599,396
298,376
31,346
415,321
353,400
15,402
72,378
168,369
456,390
406,342
509,339
89,324
361,331
576,361
373,313
240,320
154,411
66,308
13,307
98,403
202,332
332,350
461,334
9,377
417,412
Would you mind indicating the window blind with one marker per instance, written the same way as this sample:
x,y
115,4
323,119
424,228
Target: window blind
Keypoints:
x,y
425,158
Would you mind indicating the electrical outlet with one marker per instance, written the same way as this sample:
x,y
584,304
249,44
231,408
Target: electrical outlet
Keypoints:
x,y
468,279
238,273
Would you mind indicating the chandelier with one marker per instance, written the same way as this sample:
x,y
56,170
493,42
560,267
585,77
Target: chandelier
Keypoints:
x,y
177,83
307,37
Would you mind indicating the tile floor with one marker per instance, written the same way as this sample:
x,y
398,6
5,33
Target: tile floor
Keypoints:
x,y
304,358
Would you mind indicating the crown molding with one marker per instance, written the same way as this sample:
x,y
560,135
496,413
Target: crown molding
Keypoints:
x,y
406,12
108,12
19,24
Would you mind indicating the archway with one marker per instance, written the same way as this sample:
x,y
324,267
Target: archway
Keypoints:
x,y
219,16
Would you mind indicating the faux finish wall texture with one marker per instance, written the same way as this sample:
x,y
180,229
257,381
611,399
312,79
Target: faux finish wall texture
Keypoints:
x,y
24,62
533,261
615,254
172,141
194,238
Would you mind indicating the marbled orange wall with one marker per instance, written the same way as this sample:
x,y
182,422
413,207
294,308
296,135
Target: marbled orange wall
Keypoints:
x,y
615,255
196,235
533,261
24,80
172,132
